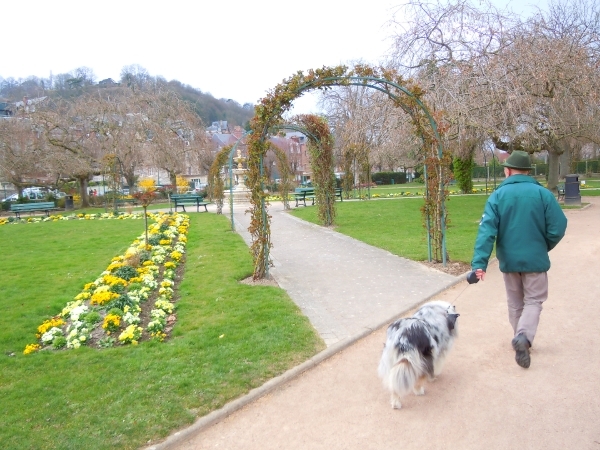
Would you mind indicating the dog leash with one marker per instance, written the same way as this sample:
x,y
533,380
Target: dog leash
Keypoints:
x,y
457,297
471,279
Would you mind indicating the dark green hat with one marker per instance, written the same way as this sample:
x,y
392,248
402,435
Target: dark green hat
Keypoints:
x,y
518,160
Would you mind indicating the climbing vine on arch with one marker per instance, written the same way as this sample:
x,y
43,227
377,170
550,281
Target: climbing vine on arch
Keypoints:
x,y
216,184
320,147
270,110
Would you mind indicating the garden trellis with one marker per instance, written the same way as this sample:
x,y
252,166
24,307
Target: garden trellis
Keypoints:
x,y
269,116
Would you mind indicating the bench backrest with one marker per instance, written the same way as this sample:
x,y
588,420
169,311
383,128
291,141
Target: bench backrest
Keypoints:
x,y
32,206
312,190
186,196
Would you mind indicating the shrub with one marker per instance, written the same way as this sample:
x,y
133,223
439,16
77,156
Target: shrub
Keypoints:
x,y
387,177
92,317
126,272
463,169
59,342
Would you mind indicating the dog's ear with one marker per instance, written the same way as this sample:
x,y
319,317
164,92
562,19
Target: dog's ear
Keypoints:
x,y
451,319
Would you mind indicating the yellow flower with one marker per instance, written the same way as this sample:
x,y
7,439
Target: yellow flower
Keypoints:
x,y
103,297
114,265
50,323
111,322
30,348
146,185
82,296
111,280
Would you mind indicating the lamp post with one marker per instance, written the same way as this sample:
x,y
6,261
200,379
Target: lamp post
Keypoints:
x,y
104,193
485,163
494,167
117,175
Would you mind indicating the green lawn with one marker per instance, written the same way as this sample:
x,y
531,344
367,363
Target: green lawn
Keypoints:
x,y
396,224
228,339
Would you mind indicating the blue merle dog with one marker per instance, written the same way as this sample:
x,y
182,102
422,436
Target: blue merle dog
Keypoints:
x,y
415,349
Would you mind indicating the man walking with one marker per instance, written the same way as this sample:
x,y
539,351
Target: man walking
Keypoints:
x,y
525,221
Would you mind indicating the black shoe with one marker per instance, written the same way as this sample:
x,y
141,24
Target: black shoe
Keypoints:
x,y
521,345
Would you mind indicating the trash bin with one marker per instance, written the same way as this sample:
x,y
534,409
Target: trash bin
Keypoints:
x,y
572,195
68,202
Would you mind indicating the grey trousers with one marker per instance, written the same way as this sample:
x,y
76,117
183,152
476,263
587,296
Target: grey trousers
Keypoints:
x,y
525,293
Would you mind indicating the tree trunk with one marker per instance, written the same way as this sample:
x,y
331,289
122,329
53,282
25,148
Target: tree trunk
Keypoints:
x,y
83,191
131,179
553,158
173,179
565,166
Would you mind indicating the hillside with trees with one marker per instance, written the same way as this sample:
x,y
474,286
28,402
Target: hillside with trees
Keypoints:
x,y
82,80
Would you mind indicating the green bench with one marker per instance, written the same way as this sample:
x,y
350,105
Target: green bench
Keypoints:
x,y
180,200
46,207
302,194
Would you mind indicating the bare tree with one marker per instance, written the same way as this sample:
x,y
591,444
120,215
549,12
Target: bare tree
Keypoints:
x,y
72,131
21,152
369,131
529,84
176,133
135,77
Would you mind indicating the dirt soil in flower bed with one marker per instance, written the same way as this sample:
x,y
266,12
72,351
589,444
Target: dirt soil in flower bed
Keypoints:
x,y
262,282
455,268
99,333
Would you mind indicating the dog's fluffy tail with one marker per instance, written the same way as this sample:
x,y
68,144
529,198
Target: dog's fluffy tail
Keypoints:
x,y
402,375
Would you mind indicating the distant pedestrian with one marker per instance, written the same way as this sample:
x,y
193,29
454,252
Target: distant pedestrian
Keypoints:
x,y
525,221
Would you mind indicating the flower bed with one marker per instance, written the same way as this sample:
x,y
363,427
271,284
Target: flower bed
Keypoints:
x,y
58,217
131,301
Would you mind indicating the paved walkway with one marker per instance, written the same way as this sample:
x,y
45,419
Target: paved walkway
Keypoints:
x,y
345,287
481,400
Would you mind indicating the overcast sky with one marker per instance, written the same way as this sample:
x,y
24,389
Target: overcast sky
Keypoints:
x,y
236,49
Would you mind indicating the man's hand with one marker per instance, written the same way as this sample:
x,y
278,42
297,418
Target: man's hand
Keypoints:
x,y
480,274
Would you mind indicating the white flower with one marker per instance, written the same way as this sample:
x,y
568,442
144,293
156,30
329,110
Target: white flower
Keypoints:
x,y
77,311
49,335
157,313
131,319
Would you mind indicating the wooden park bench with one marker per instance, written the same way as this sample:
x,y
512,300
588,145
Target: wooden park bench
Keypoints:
x,y
302,194
180,200
46,207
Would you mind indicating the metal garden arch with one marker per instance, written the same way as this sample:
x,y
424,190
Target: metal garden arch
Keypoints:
x,y
269,116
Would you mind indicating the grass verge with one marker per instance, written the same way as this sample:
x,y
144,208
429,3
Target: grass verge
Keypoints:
x,y
396,224
229,338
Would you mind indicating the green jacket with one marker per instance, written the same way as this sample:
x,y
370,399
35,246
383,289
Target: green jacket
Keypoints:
x,y
525,221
